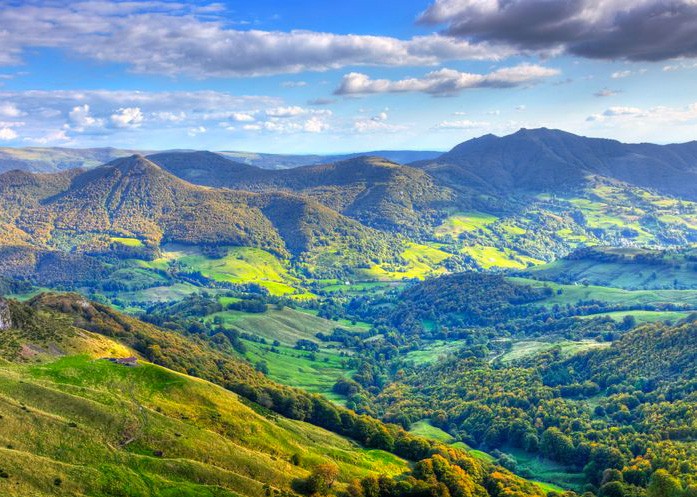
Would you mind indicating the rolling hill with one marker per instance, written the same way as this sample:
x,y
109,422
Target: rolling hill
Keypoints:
x,y
132,205
166,423
377,192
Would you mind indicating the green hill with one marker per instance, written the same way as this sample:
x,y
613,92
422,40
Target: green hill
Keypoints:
x,y
375,191
75,424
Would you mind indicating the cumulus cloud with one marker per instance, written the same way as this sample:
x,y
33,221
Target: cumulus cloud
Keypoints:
x,y
8,109
444,82
178,38
7,133
640,30
80,118
127,117
102,115
321,101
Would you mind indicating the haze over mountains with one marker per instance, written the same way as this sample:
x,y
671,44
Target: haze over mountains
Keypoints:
x,y
46,160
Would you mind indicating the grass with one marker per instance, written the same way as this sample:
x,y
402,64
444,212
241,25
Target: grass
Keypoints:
x,y
425,429
286,325
128,242
464,222
490,257
286,364
546,472
239,265
527,348
571,294
431,351
420,261
644,316
630,276
70,420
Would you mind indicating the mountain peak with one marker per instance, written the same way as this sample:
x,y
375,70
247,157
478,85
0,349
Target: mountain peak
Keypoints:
x,y
134,164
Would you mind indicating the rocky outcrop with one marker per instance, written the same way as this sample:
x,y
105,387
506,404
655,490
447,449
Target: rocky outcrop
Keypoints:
x,y
5,315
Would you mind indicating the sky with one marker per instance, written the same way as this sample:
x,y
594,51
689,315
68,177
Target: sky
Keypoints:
x,y
305,76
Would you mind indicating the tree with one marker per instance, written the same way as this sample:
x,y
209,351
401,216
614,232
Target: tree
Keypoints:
x,y
663,484
322,478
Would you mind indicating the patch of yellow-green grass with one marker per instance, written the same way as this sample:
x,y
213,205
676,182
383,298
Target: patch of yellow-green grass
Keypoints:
x,y
433,350
128,242
526,348
493,257
571,294
425,429
316,373
464,222
239,265
644,316
101,429
286,325
421,261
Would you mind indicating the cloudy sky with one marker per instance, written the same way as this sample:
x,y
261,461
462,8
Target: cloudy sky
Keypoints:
x,y
316,76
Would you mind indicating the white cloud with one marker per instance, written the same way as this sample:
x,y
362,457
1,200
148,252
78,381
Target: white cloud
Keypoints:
x,y
286,111
445,82
174,38
7,134
196,131
606,92
461,124
81,119
170,117
627,73
127,117
241,117
294,84
57,136
659,115
8,109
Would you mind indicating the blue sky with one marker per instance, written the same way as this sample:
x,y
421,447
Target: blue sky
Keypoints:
x,y
322,77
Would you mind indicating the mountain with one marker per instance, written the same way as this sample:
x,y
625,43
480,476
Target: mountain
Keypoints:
x,y
132,206
545,160
376,192
53,159
280,161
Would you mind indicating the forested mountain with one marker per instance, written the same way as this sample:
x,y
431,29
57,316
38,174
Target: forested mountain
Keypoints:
x,y
553,161
134,201
372,190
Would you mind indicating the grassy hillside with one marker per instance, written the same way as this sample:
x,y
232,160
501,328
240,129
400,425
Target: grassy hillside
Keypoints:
x,y
79,425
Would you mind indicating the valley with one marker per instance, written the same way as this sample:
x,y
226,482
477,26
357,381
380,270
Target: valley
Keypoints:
x,y
333,328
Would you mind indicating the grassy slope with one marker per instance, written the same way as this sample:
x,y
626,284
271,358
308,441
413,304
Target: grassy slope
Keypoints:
x,y
286,364
70,419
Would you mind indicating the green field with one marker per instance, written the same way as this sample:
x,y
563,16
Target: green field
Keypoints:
x,y
464,222
79,426
546,472
571,294
526,348
420,261
239,265
128,242
644,316
430,351
425,429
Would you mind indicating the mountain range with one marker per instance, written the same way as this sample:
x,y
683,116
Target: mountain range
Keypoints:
x,y
513,201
